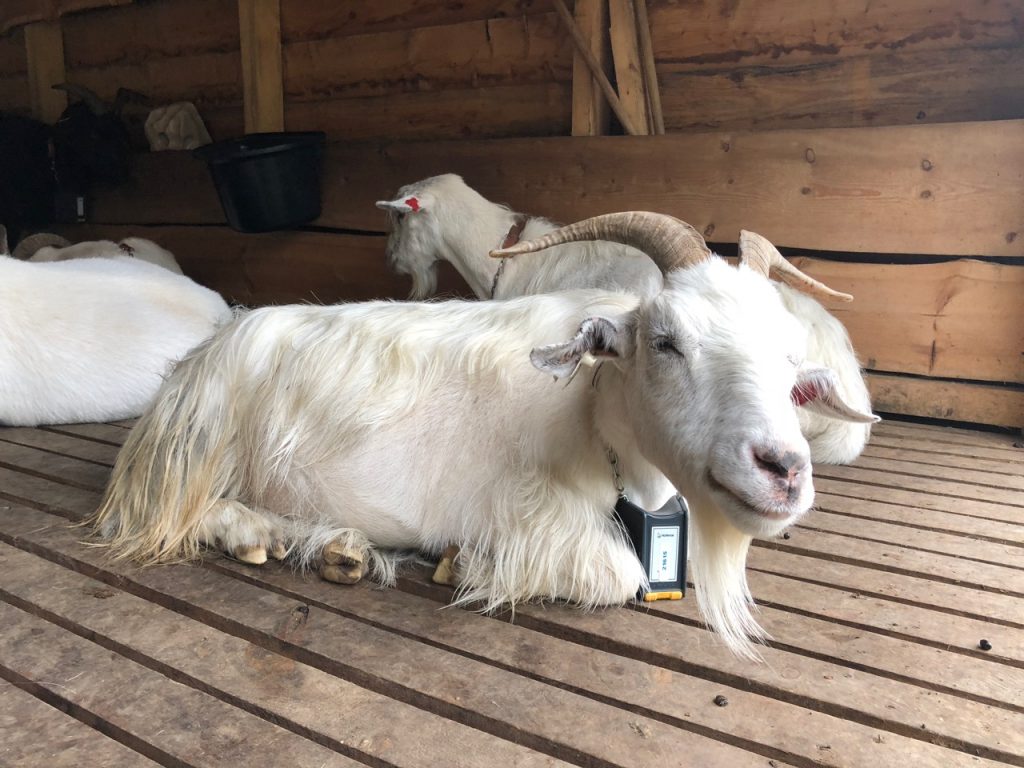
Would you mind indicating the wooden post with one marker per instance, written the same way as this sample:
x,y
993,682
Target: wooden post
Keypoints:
x,y
643,24
590,114
628,72
595,68
259,23
44,54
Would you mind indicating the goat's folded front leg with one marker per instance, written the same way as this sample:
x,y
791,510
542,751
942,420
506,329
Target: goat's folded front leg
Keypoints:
x,y
245,534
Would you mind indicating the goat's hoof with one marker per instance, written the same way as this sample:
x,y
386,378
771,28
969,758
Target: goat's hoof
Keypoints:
x,y
278,550
253,555
342,574
342,564
446,572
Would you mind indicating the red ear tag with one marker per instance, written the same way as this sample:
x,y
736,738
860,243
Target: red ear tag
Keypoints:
x,y
413,203
803,394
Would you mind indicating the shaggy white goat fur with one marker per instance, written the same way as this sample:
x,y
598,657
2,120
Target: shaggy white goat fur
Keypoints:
x,y
453,222
90,339
417,426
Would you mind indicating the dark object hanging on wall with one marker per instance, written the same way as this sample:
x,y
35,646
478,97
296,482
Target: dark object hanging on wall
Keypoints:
x,y
267,181
47,171
26,175
90,140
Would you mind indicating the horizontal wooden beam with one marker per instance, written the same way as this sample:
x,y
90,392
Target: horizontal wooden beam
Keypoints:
x,y
953,400
15,13
960,319
278,267
901,88
926,189
788,33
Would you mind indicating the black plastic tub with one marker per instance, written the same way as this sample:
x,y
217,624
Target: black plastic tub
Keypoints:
x,y
267,181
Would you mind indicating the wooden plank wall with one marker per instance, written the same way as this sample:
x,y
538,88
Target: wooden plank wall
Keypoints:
x,y
14,95
504,67
851,127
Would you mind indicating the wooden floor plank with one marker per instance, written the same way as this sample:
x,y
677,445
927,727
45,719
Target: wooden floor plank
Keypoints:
x,y
1004,501
854,485
1008,458
1000,685
914,538
1003,610
65,469
878,448
540,716
607,676
33,734
104,433
927,432
370,726
912,623
165,720
1010,535
906,469
61,445
889,557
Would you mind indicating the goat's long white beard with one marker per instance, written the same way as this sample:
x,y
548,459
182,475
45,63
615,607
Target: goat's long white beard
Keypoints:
x,y
719,572
424,280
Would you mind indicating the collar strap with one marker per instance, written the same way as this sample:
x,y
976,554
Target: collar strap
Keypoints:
x,y
514,233
613,459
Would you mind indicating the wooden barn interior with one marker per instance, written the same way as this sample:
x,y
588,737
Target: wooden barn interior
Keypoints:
x,y
880,145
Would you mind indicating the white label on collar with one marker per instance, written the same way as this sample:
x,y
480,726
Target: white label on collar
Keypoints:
x,y
664,553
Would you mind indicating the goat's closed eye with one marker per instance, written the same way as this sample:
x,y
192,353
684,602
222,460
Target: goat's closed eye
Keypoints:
x,y
666,344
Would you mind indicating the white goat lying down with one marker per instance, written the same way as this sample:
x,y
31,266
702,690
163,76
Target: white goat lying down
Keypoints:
x,y
48,247
90,339
346,430
443,219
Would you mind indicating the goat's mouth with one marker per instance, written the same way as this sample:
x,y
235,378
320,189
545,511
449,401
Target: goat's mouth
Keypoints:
x,y
774,515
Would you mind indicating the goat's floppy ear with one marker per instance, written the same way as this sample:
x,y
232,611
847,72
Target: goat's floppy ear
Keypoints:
x,y
817,390
408,204
598,337
4,250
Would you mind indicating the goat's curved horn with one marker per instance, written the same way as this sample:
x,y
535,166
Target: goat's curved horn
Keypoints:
x,y
88,97
28,246
671,243
759,254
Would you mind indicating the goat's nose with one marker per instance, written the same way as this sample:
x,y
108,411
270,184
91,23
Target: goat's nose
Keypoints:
x,y
787,467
